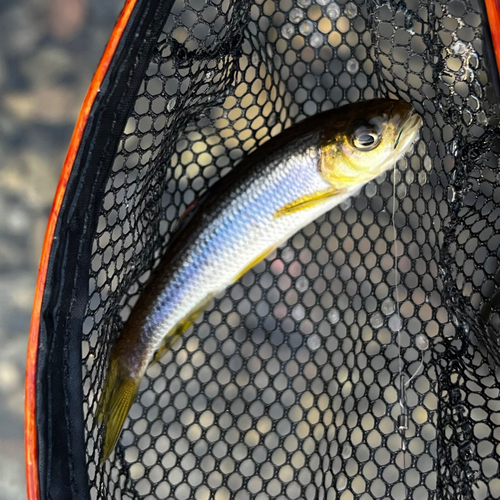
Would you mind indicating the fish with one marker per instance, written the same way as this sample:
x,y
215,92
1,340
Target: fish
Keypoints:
x,y
282,186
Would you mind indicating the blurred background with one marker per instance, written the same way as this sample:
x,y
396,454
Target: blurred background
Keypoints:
x,y
49,50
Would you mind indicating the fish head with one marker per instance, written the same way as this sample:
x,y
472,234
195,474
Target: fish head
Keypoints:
x,y
365,140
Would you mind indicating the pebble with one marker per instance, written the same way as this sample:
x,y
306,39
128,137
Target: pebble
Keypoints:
x,y
46,105
48,67
10,378
31,177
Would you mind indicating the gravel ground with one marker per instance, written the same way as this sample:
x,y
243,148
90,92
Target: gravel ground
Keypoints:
x,y
49,50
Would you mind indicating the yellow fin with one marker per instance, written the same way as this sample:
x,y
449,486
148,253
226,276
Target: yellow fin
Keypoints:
x,y
254,262
178,330
117,397
308,201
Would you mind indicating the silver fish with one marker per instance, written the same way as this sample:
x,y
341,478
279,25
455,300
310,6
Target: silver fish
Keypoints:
x,y
284,185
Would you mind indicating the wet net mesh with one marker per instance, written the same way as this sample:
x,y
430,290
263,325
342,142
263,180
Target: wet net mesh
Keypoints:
x,y
359,360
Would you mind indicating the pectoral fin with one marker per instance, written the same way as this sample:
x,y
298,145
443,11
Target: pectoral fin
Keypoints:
x,y
180,328
308,201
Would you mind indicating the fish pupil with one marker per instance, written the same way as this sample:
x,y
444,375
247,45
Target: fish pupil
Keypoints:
x,y
365,136
366,140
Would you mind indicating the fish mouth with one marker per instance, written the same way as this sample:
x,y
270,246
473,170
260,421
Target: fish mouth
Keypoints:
x,y
410,127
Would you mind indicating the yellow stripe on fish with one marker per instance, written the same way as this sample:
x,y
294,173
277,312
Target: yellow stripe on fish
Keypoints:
x,y
307,201
280,188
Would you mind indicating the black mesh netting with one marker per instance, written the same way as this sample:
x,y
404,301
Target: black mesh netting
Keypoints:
x,y
306,379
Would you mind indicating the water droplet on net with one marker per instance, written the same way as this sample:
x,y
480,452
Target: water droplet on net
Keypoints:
x,y
473,60
287,254
346,451
323,2
302,284
288,30
334,316
171,104
90,361
304,3
458,48
473,103
482,118
422,178
333,11
345,204
401,191
472,475
395,323
449,333
306,28
469,75
351,10
314,342
296,15
316,40
388,306
422,342
376,320
352,66
299,312
371,190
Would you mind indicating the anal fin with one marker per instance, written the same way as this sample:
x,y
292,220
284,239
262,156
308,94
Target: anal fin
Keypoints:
x,y
180,328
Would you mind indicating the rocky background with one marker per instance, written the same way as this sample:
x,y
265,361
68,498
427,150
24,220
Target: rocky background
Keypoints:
x,y
49,50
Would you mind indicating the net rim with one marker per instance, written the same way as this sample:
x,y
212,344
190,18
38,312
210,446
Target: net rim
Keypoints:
x,y
493,14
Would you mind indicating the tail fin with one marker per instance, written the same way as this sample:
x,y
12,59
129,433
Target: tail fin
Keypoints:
x,y
119,391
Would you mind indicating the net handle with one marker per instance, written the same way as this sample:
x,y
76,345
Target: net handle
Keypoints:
x,y
30,430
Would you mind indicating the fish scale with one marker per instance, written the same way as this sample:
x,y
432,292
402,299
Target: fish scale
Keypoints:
x,y
241,230
283,186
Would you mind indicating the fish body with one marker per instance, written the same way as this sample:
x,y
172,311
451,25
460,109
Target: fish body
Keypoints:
x,y
287,183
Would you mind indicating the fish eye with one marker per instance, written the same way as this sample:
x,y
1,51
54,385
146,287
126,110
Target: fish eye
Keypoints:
x,y
365,137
